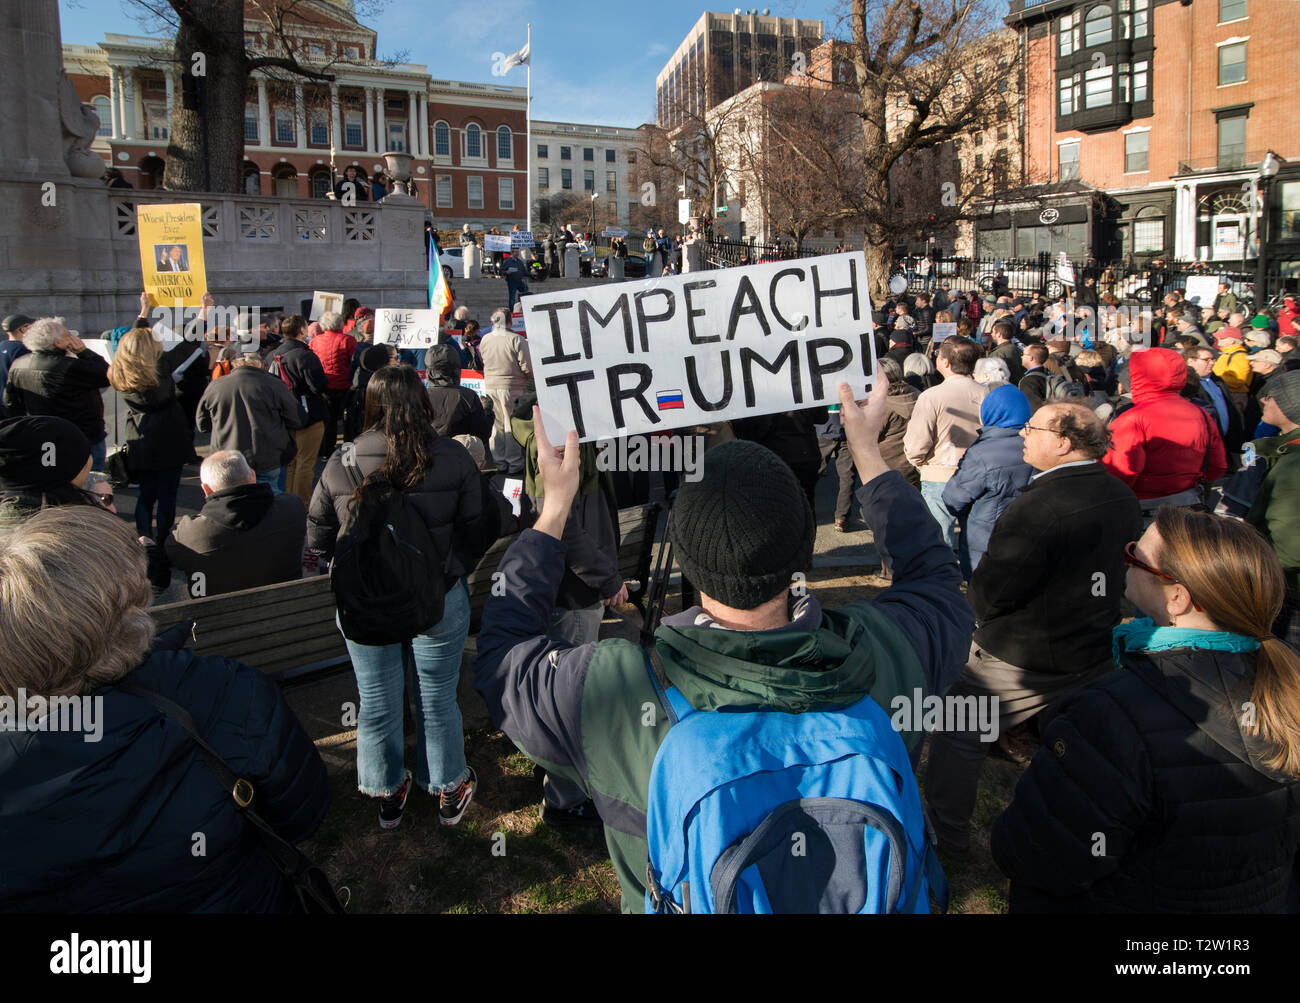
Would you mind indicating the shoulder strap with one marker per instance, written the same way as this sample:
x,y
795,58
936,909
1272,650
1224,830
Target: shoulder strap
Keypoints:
x,y
676,705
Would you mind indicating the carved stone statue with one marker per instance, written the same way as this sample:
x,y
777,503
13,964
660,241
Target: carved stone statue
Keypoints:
x,y
80,126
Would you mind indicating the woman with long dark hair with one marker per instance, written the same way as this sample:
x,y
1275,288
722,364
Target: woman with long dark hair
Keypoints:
x,y
1172,784
399,451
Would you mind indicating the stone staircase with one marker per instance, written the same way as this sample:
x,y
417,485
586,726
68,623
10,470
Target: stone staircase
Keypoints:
x,y
485,295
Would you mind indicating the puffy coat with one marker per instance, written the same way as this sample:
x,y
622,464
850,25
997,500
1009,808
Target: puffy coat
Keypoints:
x,y
335,351
1164,444
65,386
993,471
1153,759
109,826
456,409
1276,508
899,406
156,429
1233,367
450,500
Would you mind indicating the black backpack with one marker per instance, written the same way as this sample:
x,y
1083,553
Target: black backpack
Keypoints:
x,y
388,574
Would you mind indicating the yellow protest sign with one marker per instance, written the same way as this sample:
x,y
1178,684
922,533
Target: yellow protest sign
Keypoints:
x,y
171,253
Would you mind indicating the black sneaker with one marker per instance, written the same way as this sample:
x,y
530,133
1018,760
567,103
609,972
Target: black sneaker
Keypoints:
x,y
390,808
452,803
582,816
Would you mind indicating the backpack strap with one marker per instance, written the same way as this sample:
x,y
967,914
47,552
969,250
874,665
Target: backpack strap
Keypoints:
x,y
677,706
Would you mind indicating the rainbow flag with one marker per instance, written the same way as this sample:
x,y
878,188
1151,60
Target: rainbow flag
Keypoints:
x,y
439,292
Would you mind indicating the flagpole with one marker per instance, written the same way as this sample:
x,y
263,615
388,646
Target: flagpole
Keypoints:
x,y
528,129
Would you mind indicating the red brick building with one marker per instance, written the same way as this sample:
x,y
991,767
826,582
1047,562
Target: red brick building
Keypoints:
x,y
299,135
1146,124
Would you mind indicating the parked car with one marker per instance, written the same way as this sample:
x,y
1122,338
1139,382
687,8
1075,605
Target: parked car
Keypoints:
x,y
1022,278
451,261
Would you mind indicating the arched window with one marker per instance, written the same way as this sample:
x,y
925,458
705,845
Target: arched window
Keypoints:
x,y
1097,26
1149,231
505,146
320,183
104,109
473,142
252,179
441,139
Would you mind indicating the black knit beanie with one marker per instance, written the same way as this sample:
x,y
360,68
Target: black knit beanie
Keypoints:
x,y
742,531
40,452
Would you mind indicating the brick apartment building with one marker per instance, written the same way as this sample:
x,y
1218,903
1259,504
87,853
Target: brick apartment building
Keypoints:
x,y
467,140
1146,123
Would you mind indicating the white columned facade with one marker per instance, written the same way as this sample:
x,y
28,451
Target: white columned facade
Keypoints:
x,y
114,103
171,97
336,136
263,115
1185,221
137,108
128,105
372,141
381,126
413,137
299,119
424,124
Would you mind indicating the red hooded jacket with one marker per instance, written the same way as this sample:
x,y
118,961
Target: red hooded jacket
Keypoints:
x,y
335,351
1159,446
1287,318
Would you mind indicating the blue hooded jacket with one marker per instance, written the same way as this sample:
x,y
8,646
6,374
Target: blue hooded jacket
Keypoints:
x,y
993,470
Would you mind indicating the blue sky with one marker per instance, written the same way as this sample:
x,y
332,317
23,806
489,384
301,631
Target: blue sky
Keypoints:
x,y
594,61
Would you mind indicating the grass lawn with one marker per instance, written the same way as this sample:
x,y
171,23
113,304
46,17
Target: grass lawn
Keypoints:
x,y
502,859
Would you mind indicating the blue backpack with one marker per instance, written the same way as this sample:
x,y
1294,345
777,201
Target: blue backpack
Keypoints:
x,y
769,812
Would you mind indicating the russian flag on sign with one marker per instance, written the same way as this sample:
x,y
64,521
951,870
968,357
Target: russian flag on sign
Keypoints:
x,y
669,399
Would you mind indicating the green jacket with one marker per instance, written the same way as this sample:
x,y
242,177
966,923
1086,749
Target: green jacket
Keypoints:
x,y
1276,509
591,713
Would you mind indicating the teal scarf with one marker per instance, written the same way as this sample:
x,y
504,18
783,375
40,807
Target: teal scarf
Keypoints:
x,y
1143,635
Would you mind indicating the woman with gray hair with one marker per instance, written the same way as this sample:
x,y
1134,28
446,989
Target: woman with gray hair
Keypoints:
x,y
106,806
919,372
990,371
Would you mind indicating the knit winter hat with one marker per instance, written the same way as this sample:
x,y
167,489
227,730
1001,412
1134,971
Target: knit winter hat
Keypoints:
x,y
1005,407
1284,388
374,358
1259,322
37,453
742,531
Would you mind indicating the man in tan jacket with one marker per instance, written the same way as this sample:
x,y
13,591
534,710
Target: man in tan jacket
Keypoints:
x,y
507,375
944,424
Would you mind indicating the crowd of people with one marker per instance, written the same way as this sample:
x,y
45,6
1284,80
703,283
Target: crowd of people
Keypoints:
x,y
1088,521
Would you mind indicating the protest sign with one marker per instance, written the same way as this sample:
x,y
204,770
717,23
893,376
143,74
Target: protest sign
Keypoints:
x,y
1065,270
100,346
1201,289
406,328
496,242
323,303
693,349
517,320
171,253
512,488
613,231
683,210
521,238
471,379
941,331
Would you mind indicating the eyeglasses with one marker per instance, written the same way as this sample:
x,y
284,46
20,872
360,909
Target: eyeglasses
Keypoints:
x,y
1038,428
105,500
1133,561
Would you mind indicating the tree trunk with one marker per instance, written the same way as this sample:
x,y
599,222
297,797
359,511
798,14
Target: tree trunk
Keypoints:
x,y
205,151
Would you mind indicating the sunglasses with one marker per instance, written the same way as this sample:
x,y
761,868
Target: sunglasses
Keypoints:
x,y
1133,561
102,499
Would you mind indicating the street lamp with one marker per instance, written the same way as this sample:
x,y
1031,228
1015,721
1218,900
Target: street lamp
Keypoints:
x,y
1268,169
594,196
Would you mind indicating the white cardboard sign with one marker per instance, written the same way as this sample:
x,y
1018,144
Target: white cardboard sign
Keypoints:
x,y
1202,289
406,328
633,357
323,303
940,331
496,242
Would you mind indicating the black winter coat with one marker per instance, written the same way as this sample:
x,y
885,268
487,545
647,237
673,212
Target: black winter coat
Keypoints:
x,y
251,411
308,375
109,826
65,386
456,409
450,500
157,433
792,435
1035,593
1152,758
242,538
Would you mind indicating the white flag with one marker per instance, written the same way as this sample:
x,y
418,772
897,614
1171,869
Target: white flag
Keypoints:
x,y
517,59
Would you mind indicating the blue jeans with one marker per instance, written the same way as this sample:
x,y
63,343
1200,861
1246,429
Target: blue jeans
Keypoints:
x,y
381,682
157,487
275,478
516,289
932,492
97,453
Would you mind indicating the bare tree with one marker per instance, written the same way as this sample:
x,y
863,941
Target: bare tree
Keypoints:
x,y
916,50
206,144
